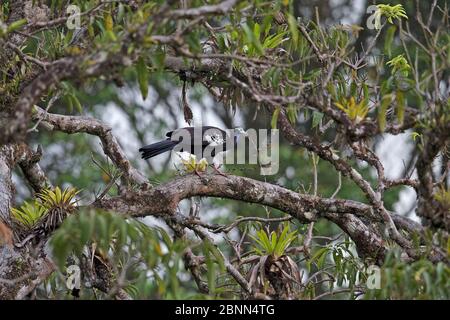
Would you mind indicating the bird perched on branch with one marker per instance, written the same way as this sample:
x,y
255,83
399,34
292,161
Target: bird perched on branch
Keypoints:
x,y
203,142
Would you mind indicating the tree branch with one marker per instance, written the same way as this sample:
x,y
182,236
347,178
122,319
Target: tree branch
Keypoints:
x,y
164,199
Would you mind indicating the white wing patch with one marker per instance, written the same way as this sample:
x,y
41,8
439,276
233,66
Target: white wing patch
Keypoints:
x,y
214,140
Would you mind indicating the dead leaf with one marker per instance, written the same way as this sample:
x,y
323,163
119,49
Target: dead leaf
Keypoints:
x,y
6,235
188,115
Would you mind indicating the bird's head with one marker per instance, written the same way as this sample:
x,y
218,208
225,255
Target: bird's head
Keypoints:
x,y
239,132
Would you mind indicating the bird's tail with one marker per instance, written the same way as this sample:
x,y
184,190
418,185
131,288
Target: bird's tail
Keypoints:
x,y
157,148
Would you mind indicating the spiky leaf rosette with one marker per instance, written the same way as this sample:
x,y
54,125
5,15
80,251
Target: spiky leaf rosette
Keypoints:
x,y
59,205
28,215
274,266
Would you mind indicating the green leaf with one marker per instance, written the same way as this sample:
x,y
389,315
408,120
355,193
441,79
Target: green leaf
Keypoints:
x,y
382,111
211,274
16,25
29,214
389,40
316,256
279,247
76,103
219,258
252,40
293,28
365,94
91,31
108,21
273,241
69,102
264,239
415,135
292,113
316,118
321,261
86,229
276,77
275,115
259,242
284,240
111,35
353,89
142,74
193,41
257,31
157,59
120,12
401,105
332,90
274,40
399,64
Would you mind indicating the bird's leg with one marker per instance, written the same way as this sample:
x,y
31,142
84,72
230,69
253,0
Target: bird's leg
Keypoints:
x,y
195,208
216,169
197,173
203,179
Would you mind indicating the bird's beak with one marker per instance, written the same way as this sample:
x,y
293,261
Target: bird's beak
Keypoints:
x,y
242,132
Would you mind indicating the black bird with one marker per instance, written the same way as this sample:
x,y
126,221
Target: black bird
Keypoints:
x,y
204,142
